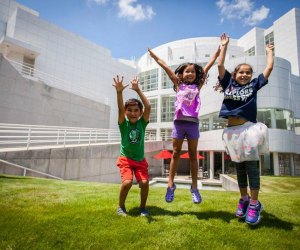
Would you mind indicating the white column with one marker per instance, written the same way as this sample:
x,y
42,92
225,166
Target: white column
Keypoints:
x,y
276,163
211,165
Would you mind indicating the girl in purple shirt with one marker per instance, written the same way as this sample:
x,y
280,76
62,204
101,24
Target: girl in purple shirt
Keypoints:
x,y
188,79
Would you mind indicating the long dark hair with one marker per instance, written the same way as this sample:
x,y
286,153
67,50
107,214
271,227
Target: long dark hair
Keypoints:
x,y
200,75
218,86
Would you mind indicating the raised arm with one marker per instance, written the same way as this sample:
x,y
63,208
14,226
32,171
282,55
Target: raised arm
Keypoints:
x,y
166,68
270,61
145,101
212,60
224,44
119,89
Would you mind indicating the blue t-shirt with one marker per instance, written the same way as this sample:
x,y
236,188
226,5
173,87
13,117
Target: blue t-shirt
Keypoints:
x,y
240,100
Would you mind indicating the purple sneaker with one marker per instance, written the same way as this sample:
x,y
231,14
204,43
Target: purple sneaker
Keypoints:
x,y
253,213
242,208
196,197
170,193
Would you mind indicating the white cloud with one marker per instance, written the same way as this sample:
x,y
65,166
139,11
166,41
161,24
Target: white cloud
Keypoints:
x,y
258,15
134,11
243,10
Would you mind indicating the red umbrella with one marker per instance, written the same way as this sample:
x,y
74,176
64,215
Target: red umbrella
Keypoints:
x,y
164,154
187,156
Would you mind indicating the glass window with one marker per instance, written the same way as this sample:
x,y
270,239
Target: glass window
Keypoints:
x,y
283,119
167,108
284,164
218,123
204,164
229,166
297,164
250,52
153,112
297,126
149,79
264,116
269,38
204,124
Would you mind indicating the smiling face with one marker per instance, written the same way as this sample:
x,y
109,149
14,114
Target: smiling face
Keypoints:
x,y
243,74
189,74
133,113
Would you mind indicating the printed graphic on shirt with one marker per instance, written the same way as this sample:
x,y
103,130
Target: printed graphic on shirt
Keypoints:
x,y
187,94
134,136
239,94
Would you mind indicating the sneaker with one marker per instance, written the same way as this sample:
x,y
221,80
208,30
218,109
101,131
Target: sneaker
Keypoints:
x,y
242,208
121,211
170,193
196,197
144,212
253,213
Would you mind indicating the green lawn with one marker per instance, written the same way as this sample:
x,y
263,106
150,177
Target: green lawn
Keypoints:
x,y
51,214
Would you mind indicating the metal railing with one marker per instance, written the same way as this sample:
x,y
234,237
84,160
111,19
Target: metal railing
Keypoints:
x,y
29,169
16,137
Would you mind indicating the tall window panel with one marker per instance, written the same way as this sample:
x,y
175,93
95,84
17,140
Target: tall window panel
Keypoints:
x,y
269,38
167,108
153,114
264,116
148,80
250,52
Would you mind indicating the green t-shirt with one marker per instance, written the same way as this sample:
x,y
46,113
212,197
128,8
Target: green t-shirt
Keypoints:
x,y
132,139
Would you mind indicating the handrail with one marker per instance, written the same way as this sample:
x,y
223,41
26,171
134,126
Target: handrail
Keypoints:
x,y
16,137
29,169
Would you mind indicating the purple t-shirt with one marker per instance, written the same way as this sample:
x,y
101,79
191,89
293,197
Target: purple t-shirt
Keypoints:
x,y
187,103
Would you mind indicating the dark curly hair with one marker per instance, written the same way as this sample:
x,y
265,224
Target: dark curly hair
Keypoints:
x,y
218,86
201,77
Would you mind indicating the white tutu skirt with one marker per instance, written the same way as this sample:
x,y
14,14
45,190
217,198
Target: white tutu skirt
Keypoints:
x,y
246,142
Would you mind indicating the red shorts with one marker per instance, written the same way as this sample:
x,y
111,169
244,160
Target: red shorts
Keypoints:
x,y
128,167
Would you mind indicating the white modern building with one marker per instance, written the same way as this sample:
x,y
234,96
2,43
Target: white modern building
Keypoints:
x,y
278,102
59,58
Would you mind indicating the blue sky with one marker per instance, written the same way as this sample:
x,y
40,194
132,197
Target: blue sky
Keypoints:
x,y
128,27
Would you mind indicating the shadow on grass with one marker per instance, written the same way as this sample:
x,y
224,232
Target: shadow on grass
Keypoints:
x,y
268,220
158,211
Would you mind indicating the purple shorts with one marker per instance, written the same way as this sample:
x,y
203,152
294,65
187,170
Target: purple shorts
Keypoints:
x,y
185,129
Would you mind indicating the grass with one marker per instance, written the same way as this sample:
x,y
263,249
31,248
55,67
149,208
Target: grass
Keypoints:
x,y
50,214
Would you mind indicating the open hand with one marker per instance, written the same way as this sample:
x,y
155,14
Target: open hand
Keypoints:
x,y
135,84
119,84
269,47
224,39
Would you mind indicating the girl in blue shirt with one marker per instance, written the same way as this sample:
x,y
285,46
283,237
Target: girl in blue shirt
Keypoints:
x,y
244,138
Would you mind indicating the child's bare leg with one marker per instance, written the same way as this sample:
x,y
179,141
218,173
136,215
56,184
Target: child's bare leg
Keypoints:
x,y
243,192
125,187
177,144
144,186
254,194
192,147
